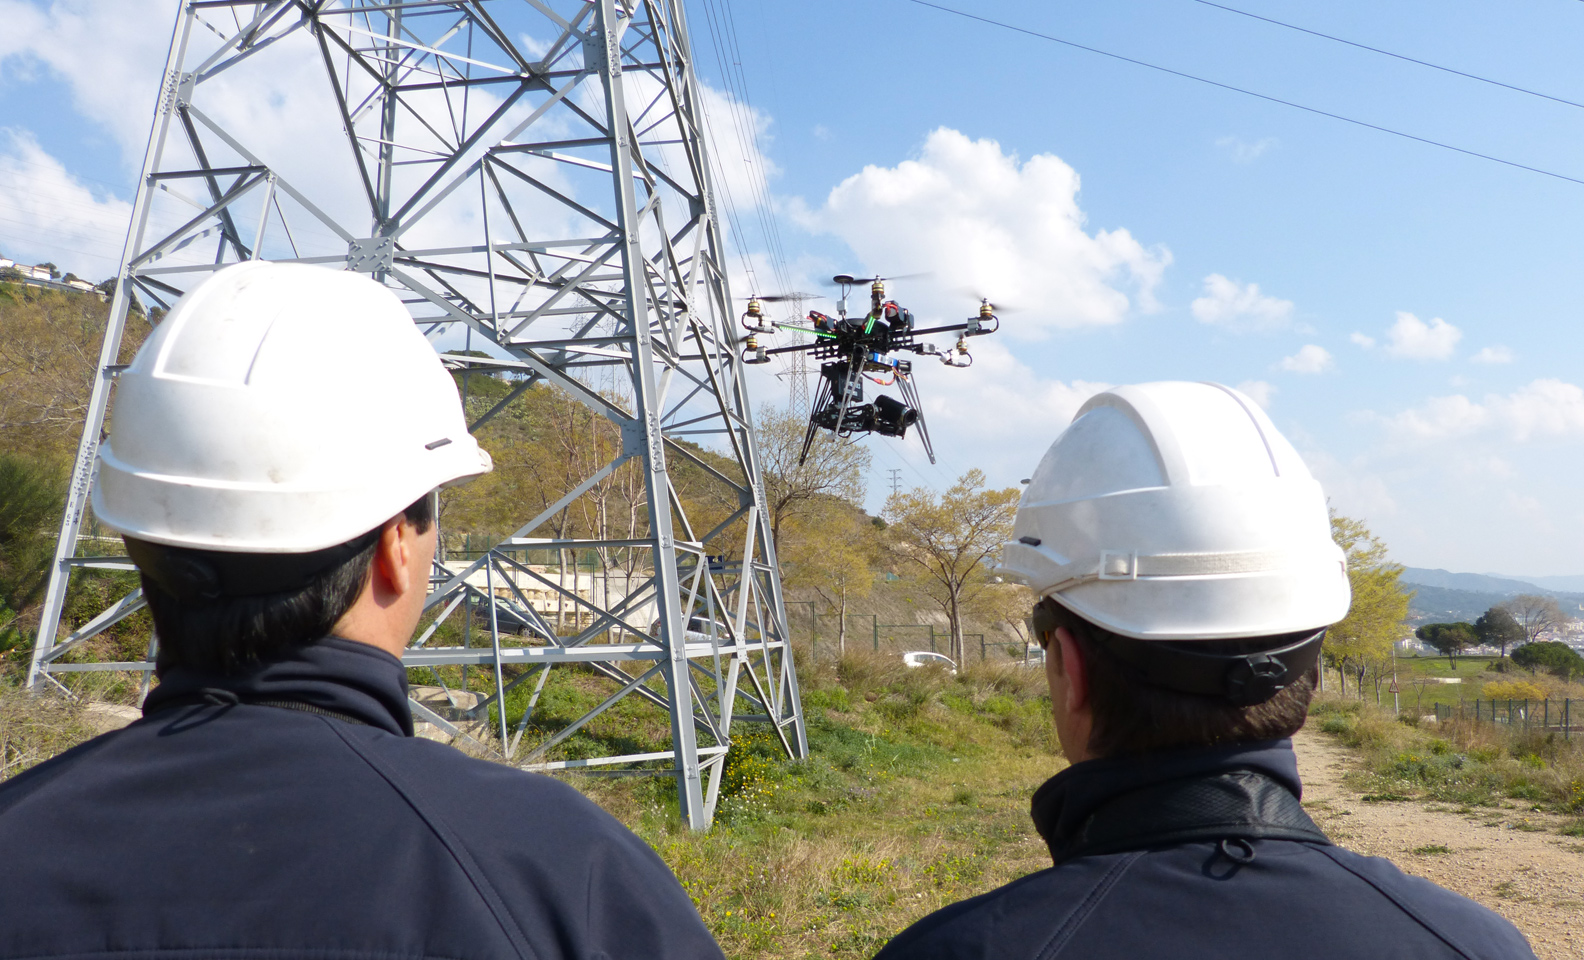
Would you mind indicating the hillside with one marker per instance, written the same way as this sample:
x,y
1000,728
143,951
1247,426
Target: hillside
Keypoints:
x,y
1441,595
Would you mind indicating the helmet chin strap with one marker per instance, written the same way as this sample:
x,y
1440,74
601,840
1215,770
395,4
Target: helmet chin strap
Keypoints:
x,y
1242,679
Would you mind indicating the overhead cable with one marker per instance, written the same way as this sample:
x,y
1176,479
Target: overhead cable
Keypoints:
x,y
1251,93
1388,53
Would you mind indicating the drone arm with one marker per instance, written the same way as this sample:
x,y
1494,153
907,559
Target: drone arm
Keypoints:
x,y
949,328
793,348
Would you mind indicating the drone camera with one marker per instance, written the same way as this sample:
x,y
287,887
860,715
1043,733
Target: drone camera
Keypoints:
x,y
893,417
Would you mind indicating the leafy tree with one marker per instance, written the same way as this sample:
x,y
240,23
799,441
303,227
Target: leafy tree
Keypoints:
x,y
951,538
831,551
1376,617
1448,638
1552,656
1007,605
1497,628
834,468
54,271
1535,613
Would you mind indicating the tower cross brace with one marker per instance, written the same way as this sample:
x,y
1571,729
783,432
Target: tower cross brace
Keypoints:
x,y
533,172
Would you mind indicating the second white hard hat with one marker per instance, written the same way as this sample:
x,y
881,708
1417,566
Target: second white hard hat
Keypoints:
x,y
1177,511
280,408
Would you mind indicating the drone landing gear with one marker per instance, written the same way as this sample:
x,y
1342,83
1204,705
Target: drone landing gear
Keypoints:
x,y
839,407
910,404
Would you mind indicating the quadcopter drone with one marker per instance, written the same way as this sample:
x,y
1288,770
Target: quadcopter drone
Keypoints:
x,y
857,348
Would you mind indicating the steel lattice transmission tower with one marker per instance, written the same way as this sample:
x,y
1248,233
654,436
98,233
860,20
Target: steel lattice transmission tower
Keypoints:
x,y
533,171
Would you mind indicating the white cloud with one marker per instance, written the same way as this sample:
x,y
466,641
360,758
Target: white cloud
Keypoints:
x,y
1246,151
50,215
1034,409
109,51
1543,408
1492,355
1239,306
1413,339
1310,358
982,223
1259,391
1362,339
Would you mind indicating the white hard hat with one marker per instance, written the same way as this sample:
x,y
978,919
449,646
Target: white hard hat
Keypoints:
x,y
1177,511
280,408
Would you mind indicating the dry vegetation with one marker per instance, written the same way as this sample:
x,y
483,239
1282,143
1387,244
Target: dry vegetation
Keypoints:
x,y
1462,763
35,728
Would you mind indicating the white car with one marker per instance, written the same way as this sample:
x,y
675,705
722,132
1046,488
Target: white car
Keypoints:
x,y
920,658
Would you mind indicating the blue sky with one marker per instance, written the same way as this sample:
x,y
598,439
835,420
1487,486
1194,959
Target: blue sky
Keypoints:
x,y
1409,315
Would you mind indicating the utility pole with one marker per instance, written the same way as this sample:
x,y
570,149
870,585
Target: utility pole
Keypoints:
x,y
554,202
896,481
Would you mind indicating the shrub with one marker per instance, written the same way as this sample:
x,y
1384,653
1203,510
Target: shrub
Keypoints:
x,y
1513,690
1554,657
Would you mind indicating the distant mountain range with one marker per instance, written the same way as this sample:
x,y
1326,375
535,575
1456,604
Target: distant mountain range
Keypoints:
x,y
1442,595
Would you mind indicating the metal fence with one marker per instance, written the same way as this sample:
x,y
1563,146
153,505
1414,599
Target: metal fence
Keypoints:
x,y
1554,715
866,632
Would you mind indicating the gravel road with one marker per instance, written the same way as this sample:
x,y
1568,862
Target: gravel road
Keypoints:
x,y
1511,859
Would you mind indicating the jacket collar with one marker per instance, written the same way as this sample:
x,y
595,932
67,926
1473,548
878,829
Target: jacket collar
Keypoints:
x,y
1257,791
335,675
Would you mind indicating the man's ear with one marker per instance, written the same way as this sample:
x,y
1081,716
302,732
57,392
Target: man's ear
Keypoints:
x,y
388,567
1073,668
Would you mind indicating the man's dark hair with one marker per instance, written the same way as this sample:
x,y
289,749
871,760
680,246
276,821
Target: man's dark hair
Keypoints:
x,y
227,635
1134,718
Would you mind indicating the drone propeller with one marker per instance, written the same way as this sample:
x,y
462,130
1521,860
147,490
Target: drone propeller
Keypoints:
x,y
847,279
781,297
995,305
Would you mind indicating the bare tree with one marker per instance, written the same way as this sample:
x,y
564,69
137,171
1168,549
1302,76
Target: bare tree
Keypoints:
x,y
835,468
1535,613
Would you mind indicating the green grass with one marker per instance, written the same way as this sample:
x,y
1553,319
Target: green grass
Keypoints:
x,y
1464,763
915,796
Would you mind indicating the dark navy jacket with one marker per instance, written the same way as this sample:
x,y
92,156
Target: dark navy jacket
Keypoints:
x,y
213,828
1203,854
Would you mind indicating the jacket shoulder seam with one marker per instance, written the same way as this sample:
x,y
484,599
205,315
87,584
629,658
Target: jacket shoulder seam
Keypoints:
x,y
1086,906
452,843
1446,938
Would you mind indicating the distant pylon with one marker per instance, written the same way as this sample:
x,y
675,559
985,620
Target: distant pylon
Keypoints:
x,y
535,173
797,368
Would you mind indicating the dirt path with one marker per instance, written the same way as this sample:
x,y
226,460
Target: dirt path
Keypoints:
x,y
1511,860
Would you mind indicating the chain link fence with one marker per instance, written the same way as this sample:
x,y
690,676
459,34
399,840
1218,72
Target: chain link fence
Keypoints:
x,y
1552,715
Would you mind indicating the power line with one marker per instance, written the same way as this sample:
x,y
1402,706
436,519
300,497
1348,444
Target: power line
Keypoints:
x,y
1250,93
1388,53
